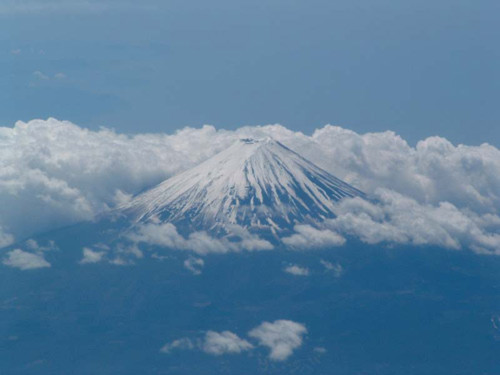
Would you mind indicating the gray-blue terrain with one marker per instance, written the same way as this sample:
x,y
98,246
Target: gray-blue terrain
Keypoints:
x,y
368,309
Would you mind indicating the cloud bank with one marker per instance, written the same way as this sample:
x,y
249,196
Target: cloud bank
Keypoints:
x,y
54,173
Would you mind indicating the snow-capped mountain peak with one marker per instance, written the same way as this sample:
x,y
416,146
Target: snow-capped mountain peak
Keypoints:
x,y
255,183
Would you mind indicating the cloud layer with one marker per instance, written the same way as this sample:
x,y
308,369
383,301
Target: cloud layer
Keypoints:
x,y
54,173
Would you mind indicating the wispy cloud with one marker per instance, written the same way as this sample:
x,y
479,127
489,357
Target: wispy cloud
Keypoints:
x,y
60,75
334,268
41,76
194,265
45,77
179,344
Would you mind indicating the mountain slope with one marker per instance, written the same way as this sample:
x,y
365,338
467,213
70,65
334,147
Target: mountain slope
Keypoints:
x,y
255,183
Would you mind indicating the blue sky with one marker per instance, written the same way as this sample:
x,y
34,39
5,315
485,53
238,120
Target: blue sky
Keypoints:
x,y
420,68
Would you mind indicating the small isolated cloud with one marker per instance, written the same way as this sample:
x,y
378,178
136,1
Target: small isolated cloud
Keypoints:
x,y
120,261
16,51
121,254
194,265
91,256
320,350
6,239
308,237
34,246
226,342
297,270
45,77
25,260
41,76
282,337
335,268
129,251
179,344
159,256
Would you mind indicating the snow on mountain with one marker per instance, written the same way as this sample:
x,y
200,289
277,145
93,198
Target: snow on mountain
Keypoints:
x,y
255,183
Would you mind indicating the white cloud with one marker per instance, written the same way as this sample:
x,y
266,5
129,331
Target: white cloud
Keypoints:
x,y
308,237
282,337
226,342
55,173
41,76
399,219
119,261
32,245
91,256
25,260
432,172
320,350
6,239
213,343
335,268
165,235
194,265
182,344
297,270
159,256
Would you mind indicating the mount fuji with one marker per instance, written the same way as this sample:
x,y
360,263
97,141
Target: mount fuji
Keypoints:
x,y
258,184
171,283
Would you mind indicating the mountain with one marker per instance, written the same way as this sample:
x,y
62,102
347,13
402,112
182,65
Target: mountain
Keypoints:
x,y
259,184
88,299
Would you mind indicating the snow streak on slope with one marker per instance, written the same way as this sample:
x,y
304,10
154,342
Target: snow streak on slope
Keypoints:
x,y
255,183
